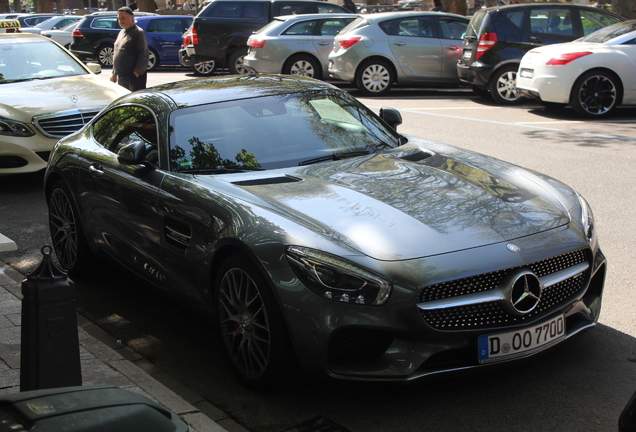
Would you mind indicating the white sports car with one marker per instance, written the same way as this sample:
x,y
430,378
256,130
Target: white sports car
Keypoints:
x,y
593,74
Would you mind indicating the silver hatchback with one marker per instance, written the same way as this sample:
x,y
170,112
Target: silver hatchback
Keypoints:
x,y
295,44
409,48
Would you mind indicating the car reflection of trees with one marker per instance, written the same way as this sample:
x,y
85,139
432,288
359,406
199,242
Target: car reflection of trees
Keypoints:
x,y
204,156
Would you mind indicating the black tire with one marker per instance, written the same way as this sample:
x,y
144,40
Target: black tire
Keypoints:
x,y
236,62
303,65
251,325
503,87
595,94
375,78
481,91
204,68
153,60
105,55
69,242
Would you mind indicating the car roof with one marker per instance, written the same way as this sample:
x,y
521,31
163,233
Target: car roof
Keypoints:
x,y
398,14
13,38
226,88
315,16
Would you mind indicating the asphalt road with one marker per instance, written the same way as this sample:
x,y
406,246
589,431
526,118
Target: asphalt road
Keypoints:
x,y
580,386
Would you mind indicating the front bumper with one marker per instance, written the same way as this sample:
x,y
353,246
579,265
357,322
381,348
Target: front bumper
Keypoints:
x,y
24,154
402,341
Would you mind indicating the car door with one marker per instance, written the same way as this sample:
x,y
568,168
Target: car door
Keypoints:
x,y
119,201
416,50
164,35
451,34
327,31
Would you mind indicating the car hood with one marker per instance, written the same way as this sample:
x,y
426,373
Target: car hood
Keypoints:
x,y
23,100
413,204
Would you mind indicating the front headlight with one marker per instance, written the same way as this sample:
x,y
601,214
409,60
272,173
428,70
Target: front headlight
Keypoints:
x,y
15,128
587,219
336,279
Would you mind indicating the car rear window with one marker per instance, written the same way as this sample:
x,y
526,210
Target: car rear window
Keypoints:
x,y
355,24
475,24
606,34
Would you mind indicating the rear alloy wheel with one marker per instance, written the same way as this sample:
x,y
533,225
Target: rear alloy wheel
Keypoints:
x,y
204,68
69,242
595,94
105,55
236,62
503,88
375,78
303,66
153,60
251,325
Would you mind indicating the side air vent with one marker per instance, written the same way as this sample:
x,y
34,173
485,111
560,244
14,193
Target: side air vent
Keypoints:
x,y
267,181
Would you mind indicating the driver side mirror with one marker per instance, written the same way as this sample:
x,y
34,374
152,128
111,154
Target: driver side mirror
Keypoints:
x,y
391,116
134,154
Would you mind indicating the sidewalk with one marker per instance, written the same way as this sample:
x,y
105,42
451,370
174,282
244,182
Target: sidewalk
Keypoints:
x,y
104,362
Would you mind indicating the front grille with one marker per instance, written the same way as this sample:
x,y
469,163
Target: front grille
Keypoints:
x,y
61,124
490,314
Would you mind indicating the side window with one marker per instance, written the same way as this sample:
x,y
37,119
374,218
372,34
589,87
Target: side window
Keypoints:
x,y
126,125
305,28
102,23
516,18
254,10
331,27
592,21
227,10
172,25
408,27
551,21
328,8
296,9
452,28
387,26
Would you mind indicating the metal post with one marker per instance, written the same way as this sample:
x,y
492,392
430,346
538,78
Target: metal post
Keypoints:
x,y
50,344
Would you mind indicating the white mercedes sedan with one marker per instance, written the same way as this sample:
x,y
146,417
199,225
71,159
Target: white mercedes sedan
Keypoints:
x,y
593,75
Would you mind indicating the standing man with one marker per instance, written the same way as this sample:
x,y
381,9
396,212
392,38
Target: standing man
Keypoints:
x,y
130,60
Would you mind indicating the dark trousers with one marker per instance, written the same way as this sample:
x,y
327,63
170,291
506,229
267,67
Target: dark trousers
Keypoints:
x,y
131,82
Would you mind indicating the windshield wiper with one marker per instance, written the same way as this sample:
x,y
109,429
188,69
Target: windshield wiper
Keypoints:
x,y
335,157
218,170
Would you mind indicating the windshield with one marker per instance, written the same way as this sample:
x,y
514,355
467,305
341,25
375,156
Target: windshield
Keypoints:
x,y
35,60
605,34
275,132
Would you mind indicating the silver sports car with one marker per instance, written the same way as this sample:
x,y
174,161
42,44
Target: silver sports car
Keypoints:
x,y
315,234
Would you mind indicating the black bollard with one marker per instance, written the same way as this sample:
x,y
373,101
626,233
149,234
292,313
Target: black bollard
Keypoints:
x,y
50,345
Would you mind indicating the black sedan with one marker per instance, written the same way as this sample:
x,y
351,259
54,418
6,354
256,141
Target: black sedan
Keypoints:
x,y
315,234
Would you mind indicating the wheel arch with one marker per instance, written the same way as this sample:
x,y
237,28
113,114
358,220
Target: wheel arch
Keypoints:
x,y
619,82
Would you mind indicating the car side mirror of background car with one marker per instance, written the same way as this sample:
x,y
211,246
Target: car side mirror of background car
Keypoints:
x,y
94,67
134,154
391,116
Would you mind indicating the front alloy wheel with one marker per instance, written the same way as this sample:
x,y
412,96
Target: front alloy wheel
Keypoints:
x,y
69,242
251,325
375,79
503,86
595,94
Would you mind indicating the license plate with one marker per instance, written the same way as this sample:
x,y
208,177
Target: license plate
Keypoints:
x,y
526,73
467,53
520,343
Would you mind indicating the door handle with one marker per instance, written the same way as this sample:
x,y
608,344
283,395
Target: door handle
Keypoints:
x,y
453,48
96,170
535,39
399,43
324,43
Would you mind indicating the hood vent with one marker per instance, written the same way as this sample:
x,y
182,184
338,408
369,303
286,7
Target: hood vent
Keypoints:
x,y
267,181
416,156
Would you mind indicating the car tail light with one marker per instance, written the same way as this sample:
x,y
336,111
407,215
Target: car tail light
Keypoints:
x,y
486,42
77,33
563,59
256,43
195,36
349,42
